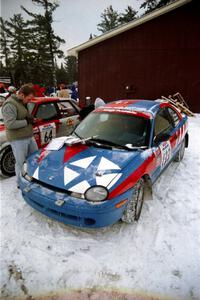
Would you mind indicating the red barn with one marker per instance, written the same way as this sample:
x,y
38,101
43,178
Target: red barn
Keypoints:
x,y
157,54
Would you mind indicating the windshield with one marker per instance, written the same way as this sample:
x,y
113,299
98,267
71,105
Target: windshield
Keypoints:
x,y
116,128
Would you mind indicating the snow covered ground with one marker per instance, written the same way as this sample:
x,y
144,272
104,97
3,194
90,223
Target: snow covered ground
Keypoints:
x,y
160,255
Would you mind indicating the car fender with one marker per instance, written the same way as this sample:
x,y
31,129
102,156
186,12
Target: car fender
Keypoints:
x,y
4,145
146,163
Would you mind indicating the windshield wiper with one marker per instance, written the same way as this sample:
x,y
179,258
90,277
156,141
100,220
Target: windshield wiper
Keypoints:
x,y
77,135
110,143
99,141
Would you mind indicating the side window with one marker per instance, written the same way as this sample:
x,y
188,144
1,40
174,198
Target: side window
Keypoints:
x,y
47,111
66,109
163,122
174,116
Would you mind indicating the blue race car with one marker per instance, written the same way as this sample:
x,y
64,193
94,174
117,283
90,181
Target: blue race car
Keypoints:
x,y
104,171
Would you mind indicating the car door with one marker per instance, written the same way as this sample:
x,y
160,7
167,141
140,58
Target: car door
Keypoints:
x,y
179,129
164,140
69,117
47,123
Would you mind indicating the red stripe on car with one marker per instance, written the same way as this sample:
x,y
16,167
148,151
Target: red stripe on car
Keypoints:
x,y
148,165
43,154
73,150
122,103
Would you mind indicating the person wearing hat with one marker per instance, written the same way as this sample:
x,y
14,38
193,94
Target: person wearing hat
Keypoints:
x,y
99,103
11,90
18,124
63,92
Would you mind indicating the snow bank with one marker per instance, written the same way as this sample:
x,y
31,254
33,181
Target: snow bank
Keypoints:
x,y
158,255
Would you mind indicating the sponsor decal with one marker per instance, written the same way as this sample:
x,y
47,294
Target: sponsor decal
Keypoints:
x,y
107,180
59,202
165,149
47,133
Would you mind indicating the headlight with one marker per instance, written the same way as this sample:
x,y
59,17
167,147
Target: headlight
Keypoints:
x,y
24,172
96,193
24,169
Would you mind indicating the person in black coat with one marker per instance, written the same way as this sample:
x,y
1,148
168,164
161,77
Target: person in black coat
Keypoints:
x,y
89,107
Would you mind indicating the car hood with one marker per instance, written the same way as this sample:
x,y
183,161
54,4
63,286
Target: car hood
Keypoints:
x,y
78,167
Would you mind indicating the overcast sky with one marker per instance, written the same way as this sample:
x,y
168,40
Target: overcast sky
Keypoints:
x,y
74,19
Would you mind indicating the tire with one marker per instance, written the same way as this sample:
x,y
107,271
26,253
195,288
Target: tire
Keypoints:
x,y
7,162
179,156
133,210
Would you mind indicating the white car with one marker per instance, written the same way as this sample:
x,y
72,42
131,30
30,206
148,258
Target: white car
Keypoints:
x,y
55,117
3,98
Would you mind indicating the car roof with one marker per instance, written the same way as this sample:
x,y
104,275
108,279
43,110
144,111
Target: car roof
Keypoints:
x,y
147,108
47,99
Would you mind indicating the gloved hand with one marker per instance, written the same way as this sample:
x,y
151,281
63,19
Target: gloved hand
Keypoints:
x,y
30,119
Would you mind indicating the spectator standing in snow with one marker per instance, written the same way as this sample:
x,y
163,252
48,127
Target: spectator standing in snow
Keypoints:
x,y
98,103
74,89
63,93
39,91
18,123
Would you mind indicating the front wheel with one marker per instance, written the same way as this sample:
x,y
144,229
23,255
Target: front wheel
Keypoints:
x,y
181,151
7,162
133,210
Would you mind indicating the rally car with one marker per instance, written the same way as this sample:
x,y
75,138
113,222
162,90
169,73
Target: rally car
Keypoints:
x,y
54,117
104,171
3,98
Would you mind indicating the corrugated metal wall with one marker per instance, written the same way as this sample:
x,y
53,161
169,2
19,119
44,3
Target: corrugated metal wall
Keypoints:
x,y
157,58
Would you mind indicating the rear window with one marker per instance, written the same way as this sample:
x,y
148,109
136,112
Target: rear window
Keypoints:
x,y
174,116
66,109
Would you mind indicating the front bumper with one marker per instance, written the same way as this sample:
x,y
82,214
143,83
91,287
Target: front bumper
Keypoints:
x,y
76,212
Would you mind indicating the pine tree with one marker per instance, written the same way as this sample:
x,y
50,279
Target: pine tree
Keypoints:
x,y
150,5
4,43
17,31
109,20
71,67
61,74
47,44
128,15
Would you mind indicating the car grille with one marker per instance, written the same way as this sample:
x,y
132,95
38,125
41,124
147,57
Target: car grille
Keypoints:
x,y
56,189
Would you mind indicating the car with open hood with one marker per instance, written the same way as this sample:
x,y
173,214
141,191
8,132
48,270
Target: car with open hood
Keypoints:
x,y
105,170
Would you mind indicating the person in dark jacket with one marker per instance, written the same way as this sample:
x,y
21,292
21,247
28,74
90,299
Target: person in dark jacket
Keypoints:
x,y
74,88
89,107
18,123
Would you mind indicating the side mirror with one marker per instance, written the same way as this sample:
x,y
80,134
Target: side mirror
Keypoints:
x,y
162,137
